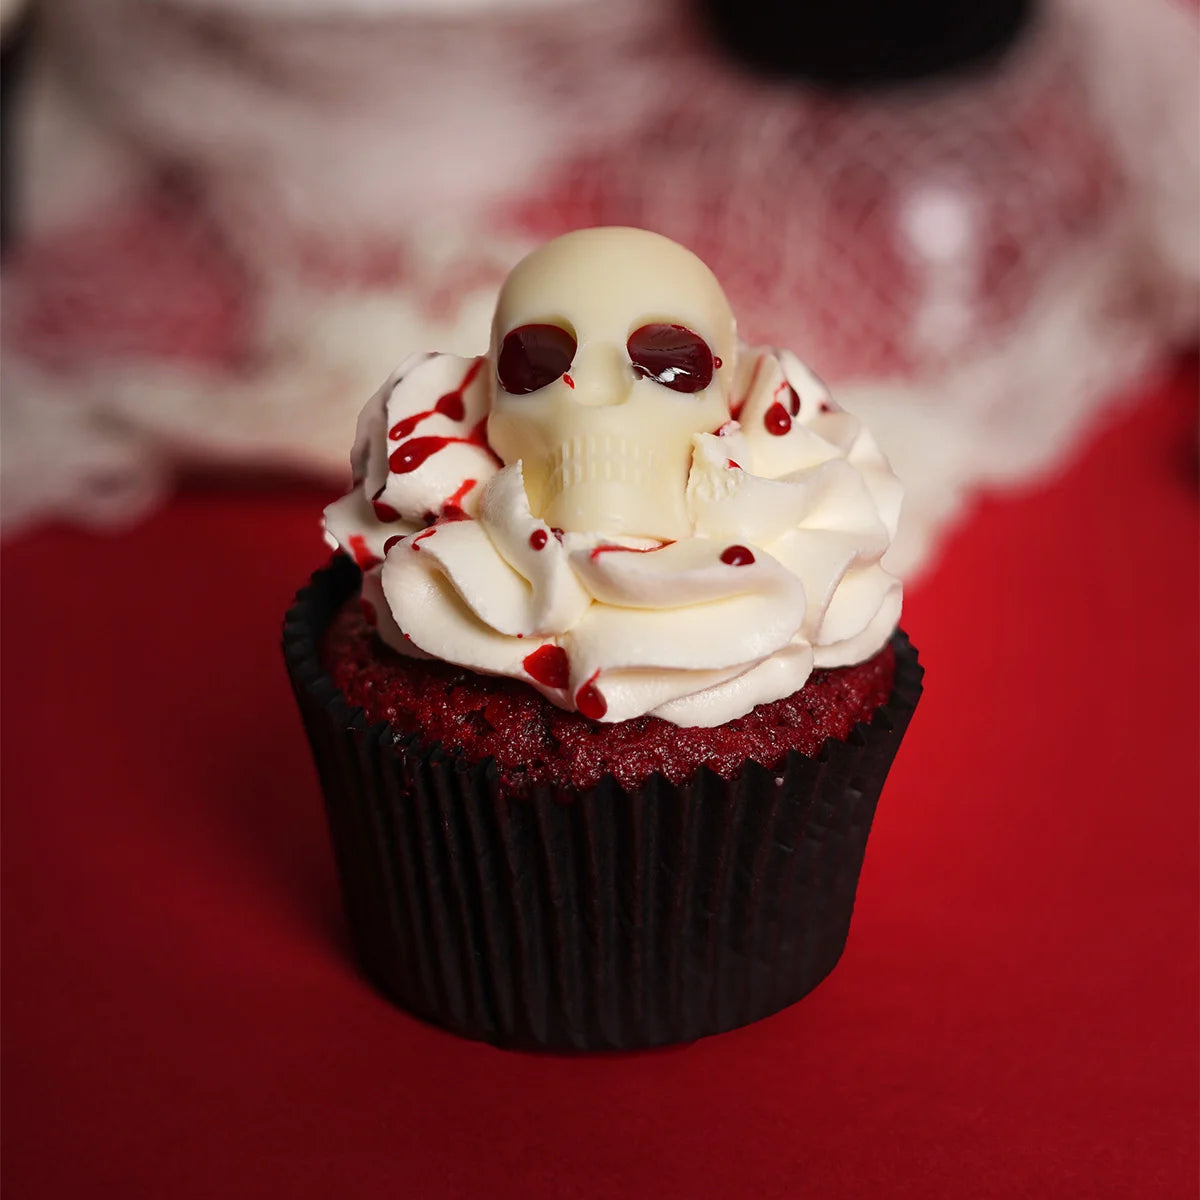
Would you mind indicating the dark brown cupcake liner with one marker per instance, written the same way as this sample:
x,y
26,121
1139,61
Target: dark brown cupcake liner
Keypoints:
x,y
598,920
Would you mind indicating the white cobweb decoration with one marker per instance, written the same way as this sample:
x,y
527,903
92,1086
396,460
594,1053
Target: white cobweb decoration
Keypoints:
x,y
977,269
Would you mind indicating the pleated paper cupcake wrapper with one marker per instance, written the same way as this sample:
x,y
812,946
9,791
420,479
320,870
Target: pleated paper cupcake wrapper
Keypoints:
x,y
595,920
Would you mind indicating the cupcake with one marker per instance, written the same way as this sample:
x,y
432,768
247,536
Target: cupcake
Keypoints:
x,y
605,680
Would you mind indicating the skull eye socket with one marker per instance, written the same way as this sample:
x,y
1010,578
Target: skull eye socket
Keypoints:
x,y
671,355
531,356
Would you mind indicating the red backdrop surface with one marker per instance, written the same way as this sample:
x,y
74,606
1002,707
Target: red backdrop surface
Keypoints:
x,y
1015,1015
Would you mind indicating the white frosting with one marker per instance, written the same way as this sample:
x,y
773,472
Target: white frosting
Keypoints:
x,y
671,629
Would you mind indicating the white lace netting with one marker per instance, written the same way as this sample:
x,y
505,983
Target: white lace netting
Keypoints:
x,y
977,269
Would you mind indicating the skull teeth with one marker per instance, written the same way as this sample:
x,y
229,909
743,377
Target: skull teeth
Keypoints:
x,y
601,458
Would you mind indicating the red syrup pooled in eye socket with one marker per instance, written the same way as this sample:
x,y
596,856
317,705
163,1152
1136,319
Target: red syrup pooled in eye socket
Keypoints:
x,y
532,356
737,556
671,355
549,666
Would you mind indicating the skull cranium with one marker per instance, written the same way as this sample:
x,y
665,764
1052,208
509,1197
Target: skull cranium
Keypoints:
x,y
612,348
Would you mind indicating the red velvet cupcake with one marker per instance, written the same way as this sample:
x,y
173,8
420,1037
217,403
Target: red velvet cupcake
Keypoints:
x,y
606,686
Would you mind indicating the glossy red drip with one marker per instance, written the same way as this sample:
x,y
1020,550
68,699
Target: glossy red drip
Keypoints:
x,y
360,553
558,533
605,549
384,512
538,539
777,420
423,535
737,556
733,466
396,537
450,405
589,701
717,363
549,666
415,453
452,510
569,381
793,400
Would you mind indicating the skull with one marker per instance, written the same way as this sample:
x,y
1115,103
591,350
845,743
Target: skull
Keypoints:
x,y
612,348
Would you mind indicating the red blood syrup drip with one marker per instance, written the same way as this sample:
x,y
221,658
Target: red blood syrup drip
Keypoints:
x,y
368,611
549,666
589,701
558,533
384,512
569,381
605,549
450,405
777,420
415,453
734,466
396,537
538,538
793,401
717,363
362,556
736,556
452,509
422,535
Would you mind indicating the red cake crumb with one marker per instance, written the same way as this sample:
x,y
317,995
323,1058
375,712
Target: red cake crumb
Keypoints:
x,y
533,742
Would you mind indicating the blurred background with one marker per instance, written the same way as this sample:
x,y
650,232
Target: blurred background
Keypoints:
x,y
226,220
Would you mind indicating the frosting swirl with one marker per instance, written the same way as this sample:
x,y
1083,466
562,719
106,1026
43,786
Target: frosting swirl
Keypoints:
x,y
790,506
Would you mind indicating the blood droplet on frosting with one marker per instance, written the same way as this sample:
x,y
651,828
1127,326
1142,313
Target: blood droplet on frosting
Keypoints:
x,y
737,556
733,466
538,538
396,537
452,510
589,701
792,400
549,666
361,553
777,420
425,533
569,382
717,363
384,512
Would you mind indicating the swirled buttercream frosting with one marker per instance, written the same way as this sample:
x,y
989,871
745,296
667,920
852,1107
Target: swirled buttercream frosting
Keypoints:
x,y
620,504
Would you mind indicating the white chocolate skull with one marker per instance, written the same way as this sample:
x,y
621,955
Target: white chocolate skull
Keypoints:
x,y
603,447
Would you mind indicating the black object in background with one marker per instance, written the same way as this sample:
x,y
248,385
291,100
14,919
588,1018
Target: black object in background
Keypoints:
x,y
13,55
865,43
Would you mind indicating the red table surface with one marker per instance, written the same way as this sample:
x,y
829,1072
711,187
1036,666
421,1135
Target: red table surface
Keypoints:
x,y
1015,1015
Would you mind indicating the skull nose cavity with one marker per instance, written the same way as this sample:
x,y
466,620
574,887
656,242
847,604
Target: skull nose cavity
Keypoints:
x,y
602,375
